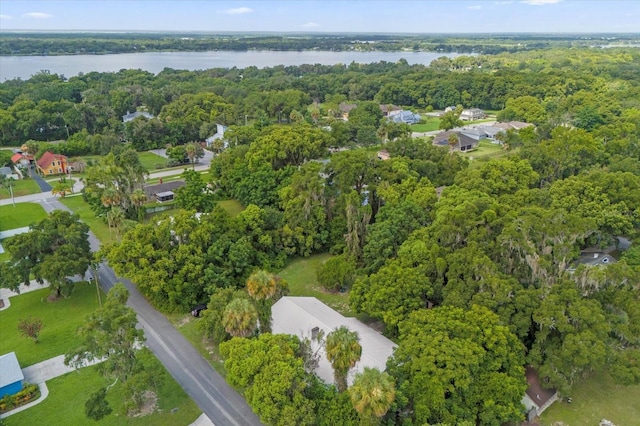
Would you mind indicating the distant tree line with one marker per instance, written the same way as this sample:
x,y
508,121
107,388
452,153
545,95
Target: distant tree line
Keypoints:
x,y
105,43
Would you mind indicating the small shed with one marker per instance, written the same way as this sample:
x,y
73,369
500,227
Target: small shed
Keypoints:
x,y
11,376
163,191
165,196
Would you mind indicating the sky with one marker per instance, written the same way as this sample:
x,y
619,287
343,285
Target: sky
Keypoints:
x,y
326,16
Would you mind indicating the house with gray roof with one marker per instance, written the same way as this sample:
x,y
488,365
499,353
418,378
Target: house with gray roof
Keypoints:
x,y
595,258
6,171
516,125
11,376
163,191
130,116
404,116
465,142
306,317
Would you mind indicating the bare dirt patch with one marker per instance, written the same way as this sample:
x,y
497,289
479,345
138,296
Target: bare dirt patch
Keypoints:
x,y
149,405
186,320
53,298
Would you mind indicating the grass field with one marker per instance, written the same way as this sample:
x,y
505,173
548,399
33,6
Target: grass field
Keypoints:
x,y
23,214
60,320
151,161
594,399
233,207
431,124
88,216
67,394
20,187
485,149
165,179
301,276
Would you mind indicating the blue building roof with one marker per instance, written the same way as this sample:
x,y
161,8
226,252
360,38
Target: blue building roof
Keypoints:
x,y
10,371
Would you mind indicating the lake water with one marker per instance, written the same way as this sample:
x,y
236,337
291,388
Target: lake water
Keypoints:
x,y
25,66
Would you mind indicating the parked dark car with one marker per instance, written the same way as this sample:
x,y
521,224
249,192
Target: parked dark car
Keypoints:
x,y
197,309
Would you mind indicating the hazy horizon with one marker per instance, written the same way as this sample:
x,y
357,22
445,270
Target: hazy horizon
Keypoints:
x,y
324,17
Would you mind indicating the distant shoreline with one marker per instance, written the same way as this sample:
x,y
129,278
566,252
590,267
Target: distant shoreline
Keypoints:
x,y
20,43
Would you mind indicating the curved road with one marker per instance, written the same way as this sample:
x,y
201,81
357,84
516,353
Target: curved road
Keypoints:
x,y
221,403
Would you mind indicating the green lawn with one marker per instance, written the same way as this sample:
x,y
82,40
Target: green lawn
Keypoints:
x,y
594,399
60,320
23,214
165,179
88,216
20,187
485,149
233,207
151,161
301,276
67,394
431,124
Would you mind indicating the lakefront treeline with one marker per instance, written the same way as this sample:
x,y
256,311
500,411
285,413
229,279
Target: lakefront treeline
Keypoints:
x,y
14,43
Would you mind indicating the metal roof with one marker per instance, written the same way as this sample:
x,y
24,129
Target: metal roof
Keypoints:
x,y
10,371
300,315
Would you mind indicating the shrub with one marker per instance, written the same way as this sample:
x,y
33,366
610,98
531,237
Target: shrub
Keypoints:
x,y
337,273
28,393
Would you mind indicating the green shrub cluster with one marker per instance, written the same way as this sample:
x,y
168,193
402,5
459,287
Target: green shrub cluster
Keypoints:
x,y
28,393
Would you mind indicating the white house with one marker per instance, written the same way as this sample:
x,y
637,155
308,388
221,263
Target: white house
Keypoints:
x,y
472,114
220,129
306,316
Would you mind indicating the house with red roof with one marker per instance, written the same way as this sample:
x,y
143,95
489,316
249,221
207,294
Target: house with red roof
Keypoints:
x,y
52,164
22,159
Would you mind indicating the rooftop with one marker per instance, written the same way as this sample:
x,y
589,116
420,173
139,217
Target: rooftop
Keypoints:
x,y
157,189
300,315
10,371
48,157
129,116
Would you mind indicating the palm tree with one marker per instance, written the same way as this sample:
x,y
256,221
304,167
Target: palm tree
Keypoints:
x,y
262,286
453,141
191,149
240,318
296,116
115,218
61,189
110,197
314,112
138,198
343,352
372,393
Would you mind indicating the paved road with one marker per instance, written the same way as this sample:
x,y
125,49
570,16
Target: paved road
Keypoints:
x,y
221,403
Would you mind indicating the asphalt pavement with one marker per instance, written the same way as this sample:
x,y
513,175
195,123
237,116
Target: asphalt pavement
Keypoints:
x,y
221,403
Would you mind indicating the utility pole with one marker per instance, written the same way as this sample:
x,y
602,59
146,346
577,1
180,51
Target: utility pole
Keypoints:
x,y
13,200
